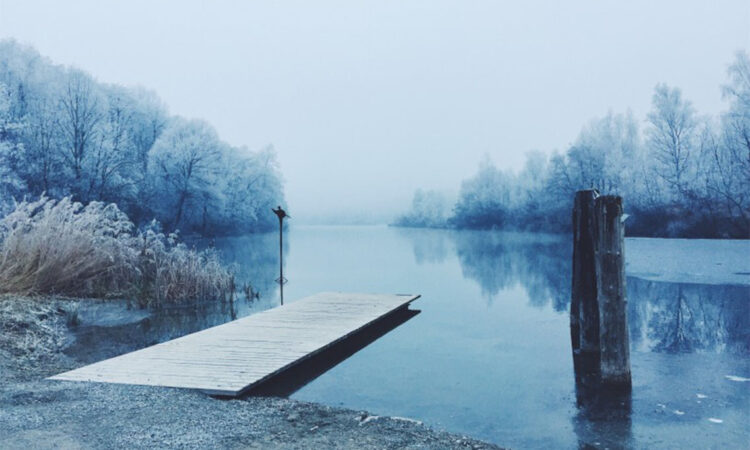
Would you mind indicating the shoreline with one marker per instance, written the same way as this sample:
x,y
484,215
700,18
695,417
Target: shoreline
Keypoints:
x,y
38,413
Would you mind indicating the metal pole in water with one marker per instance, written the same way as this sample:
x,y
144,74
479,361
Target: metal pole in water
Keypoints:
x,y
281,214
281,261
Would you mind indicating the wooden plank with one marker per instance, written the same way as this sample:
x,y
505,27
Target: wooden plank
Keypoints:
x,y
231,358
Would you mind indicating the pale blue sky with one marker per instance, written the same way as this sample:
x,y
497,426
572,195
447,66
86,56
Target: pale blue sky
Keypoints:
x,y
366,101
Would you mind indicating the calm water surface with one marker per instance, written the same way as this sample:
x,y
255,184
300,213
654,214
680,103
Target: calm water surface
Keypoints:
x,y
489,356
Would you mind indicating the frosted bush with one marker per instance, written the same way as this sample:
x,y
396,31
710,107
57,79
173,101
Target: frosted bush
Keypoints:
x,y
168,270
62,247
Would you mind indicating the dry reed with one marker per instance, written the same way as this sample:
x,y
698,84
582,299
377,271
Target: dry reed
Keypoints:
x,y
62,247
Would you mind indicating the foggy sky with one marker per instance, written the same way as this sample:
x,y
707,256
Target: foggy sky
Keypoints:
x,y
366,101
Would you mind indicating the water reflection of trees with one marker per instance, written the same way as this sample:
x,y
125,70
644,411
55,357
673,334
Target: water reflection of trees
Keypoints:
x,y
429,245
663,316
255,259
500,260
682,317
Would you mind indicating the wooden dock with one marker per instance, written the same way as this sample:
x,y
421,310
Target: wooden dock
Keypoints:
x,y
231,358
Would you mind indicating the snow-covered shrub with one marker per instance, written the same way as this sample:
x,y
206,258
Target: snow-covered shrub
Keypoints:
x,y
62,247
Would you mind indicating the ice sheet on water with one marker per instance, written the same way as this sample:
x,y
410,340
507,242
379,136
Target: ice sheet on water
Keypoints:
x,y
736,378
707,261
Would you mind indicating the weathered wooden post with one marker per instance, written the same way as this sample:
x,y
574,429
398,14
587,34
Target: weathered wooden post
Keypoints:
x,y
598,309
584,310
610,288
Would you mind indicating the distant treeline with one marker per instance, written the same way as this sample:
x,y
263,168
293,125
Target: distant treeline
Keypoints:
x,y
686,176
64,134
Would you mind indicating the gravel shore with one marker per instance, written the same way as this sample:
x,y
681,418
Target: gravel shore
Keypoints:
x,y
36,413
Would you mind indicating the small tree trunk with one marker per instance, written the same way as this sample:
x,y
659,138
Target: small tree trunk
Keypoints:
x,y
610,288
180,205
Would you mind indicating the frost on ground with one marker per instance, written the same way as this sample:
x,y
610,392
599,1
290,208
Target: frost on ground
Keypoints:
x,y
32,337
705,261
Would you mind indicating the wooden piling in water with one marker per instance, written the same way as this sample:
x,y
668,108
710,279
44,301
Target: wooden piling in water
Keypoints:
x,y
610,287
598,309
584,310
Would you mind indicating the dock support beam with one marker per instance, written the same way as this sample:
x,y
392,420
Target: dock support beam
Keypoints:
x,y
598,310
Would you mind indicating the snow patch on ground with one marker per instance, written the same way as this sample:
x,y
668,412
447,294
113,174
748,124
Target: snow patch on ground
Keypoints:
x,y
406,419
363,419
368,419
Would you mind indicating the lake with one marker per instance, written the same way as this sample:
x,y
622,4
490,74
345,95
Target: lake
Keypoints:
x,y
489,355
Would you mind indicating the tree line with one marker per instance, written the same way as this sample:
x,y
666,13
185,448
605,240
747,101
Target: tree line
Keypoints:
x,y
682,175
63,134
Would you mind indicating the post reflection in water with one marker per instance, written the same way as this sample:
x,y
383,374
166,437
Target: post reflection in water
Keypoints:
x,y
603,417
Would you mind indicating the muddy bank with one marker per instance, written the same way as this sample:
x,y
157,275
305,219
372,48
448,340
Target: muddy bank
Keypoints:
x,y
35,413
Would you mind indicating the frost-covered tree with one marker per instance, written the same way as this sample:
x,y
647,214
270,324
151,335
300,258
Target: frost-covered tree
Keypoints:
x,y
251,188
486,199
112,157
729,155
601,156
65,134
690,177
671,139
428,209
186,163
10,183
148,119
43,163
80,115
